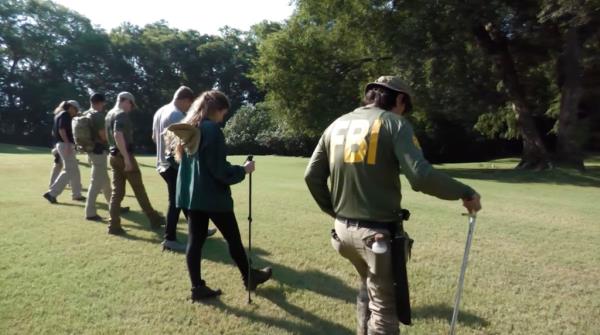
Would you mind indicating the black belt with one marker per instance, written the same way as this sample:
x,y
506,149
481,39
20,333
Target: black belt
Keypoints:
x,y
404,216
365,223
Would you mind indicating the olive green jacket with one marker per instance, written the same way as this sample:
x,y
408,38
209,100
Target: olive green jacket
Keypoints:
x,y
363,152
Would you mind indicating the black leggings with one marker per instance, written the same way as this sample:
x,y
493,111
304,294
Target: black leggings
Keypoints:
x,y
227,225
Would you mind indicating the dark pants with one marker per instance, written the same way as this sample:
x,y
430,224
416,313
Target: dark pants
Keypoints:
x,y
227,225
170,177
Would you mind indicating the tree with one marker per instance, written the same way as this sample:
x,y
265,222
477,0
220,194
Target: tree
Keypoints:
x,y
577,22
487,68
47,53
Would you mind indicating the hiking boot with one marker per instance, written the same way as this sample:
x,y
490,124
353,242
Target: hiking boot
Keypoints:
x,y
210,232
203,292
116,231
79,198
173,245
258,277
50,198
124,210
157,221
96,218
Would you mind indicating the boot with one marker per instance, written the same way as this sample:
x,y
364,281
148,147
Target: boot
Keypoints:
x,y
203,292
156,220
258,277
116,230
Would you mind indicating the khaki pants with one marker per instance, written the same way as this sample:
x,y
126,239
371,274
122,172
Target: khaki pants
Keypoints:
x,y
375,271
99,182
70,174
56,167
134,178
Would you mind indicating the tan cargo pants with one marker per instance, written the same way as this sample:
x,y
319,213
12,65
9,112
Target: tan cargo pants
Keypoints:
x,y
134,177
375,271
99,182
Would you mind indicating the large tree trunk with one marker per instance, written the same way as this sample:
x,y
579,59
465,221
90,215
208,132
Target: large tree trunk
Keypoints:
x,y
534,156
571,134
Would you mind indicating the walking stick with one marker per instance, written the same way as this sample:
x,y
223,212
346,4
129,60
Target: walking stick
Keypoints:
x,y
463,269
250,157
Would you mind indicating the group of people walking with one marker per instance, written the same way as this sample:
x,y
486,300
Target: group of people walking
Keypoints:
x,y
202,191
353,176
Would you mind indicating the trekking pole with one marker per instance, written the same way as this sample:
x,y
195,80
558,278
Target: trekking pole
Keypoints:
x,y
250,157
463,269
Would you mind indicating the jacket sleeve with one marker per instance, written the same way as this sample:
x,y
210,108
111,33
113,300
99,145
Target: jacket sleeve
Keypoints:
x,y
217,162
420,174
316,175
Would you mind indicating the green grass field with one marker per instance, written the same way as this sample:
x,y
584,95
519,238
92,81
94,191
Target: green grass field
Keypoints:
x,y
534,266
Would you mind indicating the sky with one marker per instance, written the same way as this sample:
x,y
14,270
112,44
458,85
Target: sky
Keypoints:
x,y
205,16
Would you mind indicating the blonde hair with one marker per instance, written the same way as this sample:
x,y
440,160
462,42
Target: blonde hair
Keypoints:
x,y
205,106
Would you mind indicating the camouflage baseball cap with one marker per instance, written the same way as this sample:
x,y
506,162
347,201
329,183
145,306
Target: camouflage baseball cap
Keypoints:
x,y
394,83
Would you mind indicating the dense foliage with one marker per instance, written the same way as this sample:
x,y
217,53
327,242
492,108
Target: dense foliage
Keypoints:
x,y
510,77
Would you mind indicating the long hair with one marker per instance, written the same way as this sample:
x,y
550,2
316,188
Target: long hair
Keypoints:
x,y
205,106
63,106
117,104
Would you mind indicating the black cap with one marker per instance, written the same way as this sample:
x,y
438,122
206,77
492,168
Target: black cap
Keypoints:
x,y
97,97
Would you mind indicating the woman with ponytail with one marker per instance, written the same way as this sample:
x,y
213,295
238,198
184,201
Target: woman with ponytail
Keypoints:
x,y
203,188
62,133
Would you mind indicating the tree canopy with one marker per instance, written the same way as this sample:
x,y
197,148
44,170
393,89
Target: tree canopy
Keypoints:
x,y
505,78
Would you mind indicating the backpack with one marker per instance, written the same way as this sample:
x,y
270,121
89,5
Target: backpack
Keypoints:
x,y
82,132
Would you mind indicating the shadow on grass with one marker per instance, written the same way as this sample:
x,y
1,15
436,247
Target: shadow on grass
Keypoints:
x,y
141,223
147,165
316,281
70,204
444,312
315,324
558,176
18,149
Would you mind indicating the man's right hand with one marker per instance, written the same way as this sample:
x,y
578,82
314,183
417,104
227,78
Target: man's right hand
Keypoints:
x,y
128,165
473,205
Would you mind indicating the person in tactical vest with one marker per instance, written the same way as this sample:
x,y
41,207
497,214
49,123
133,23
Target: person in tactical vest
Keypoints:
x,y
363,152
99,180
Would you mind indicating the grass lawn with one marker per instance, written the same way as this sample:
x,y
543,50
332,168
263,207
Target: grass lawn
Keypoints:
x,y
534,265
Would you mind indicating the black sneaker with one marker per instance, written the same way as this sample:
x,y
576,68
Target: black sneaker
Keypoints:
x,y
258,277
124,210
79,198
96,218
204,292
50,198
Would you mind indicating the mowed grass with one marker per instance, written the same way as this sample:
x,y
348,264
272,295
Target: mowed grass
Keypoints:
x,y
534,265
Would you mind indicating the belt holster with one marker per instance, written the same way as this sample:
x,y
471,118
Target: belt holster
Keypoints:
x,y
401,244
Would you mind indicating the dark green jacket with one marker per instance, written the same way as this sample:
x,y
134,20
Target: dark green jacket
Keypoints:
x,y
204,178
364,152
